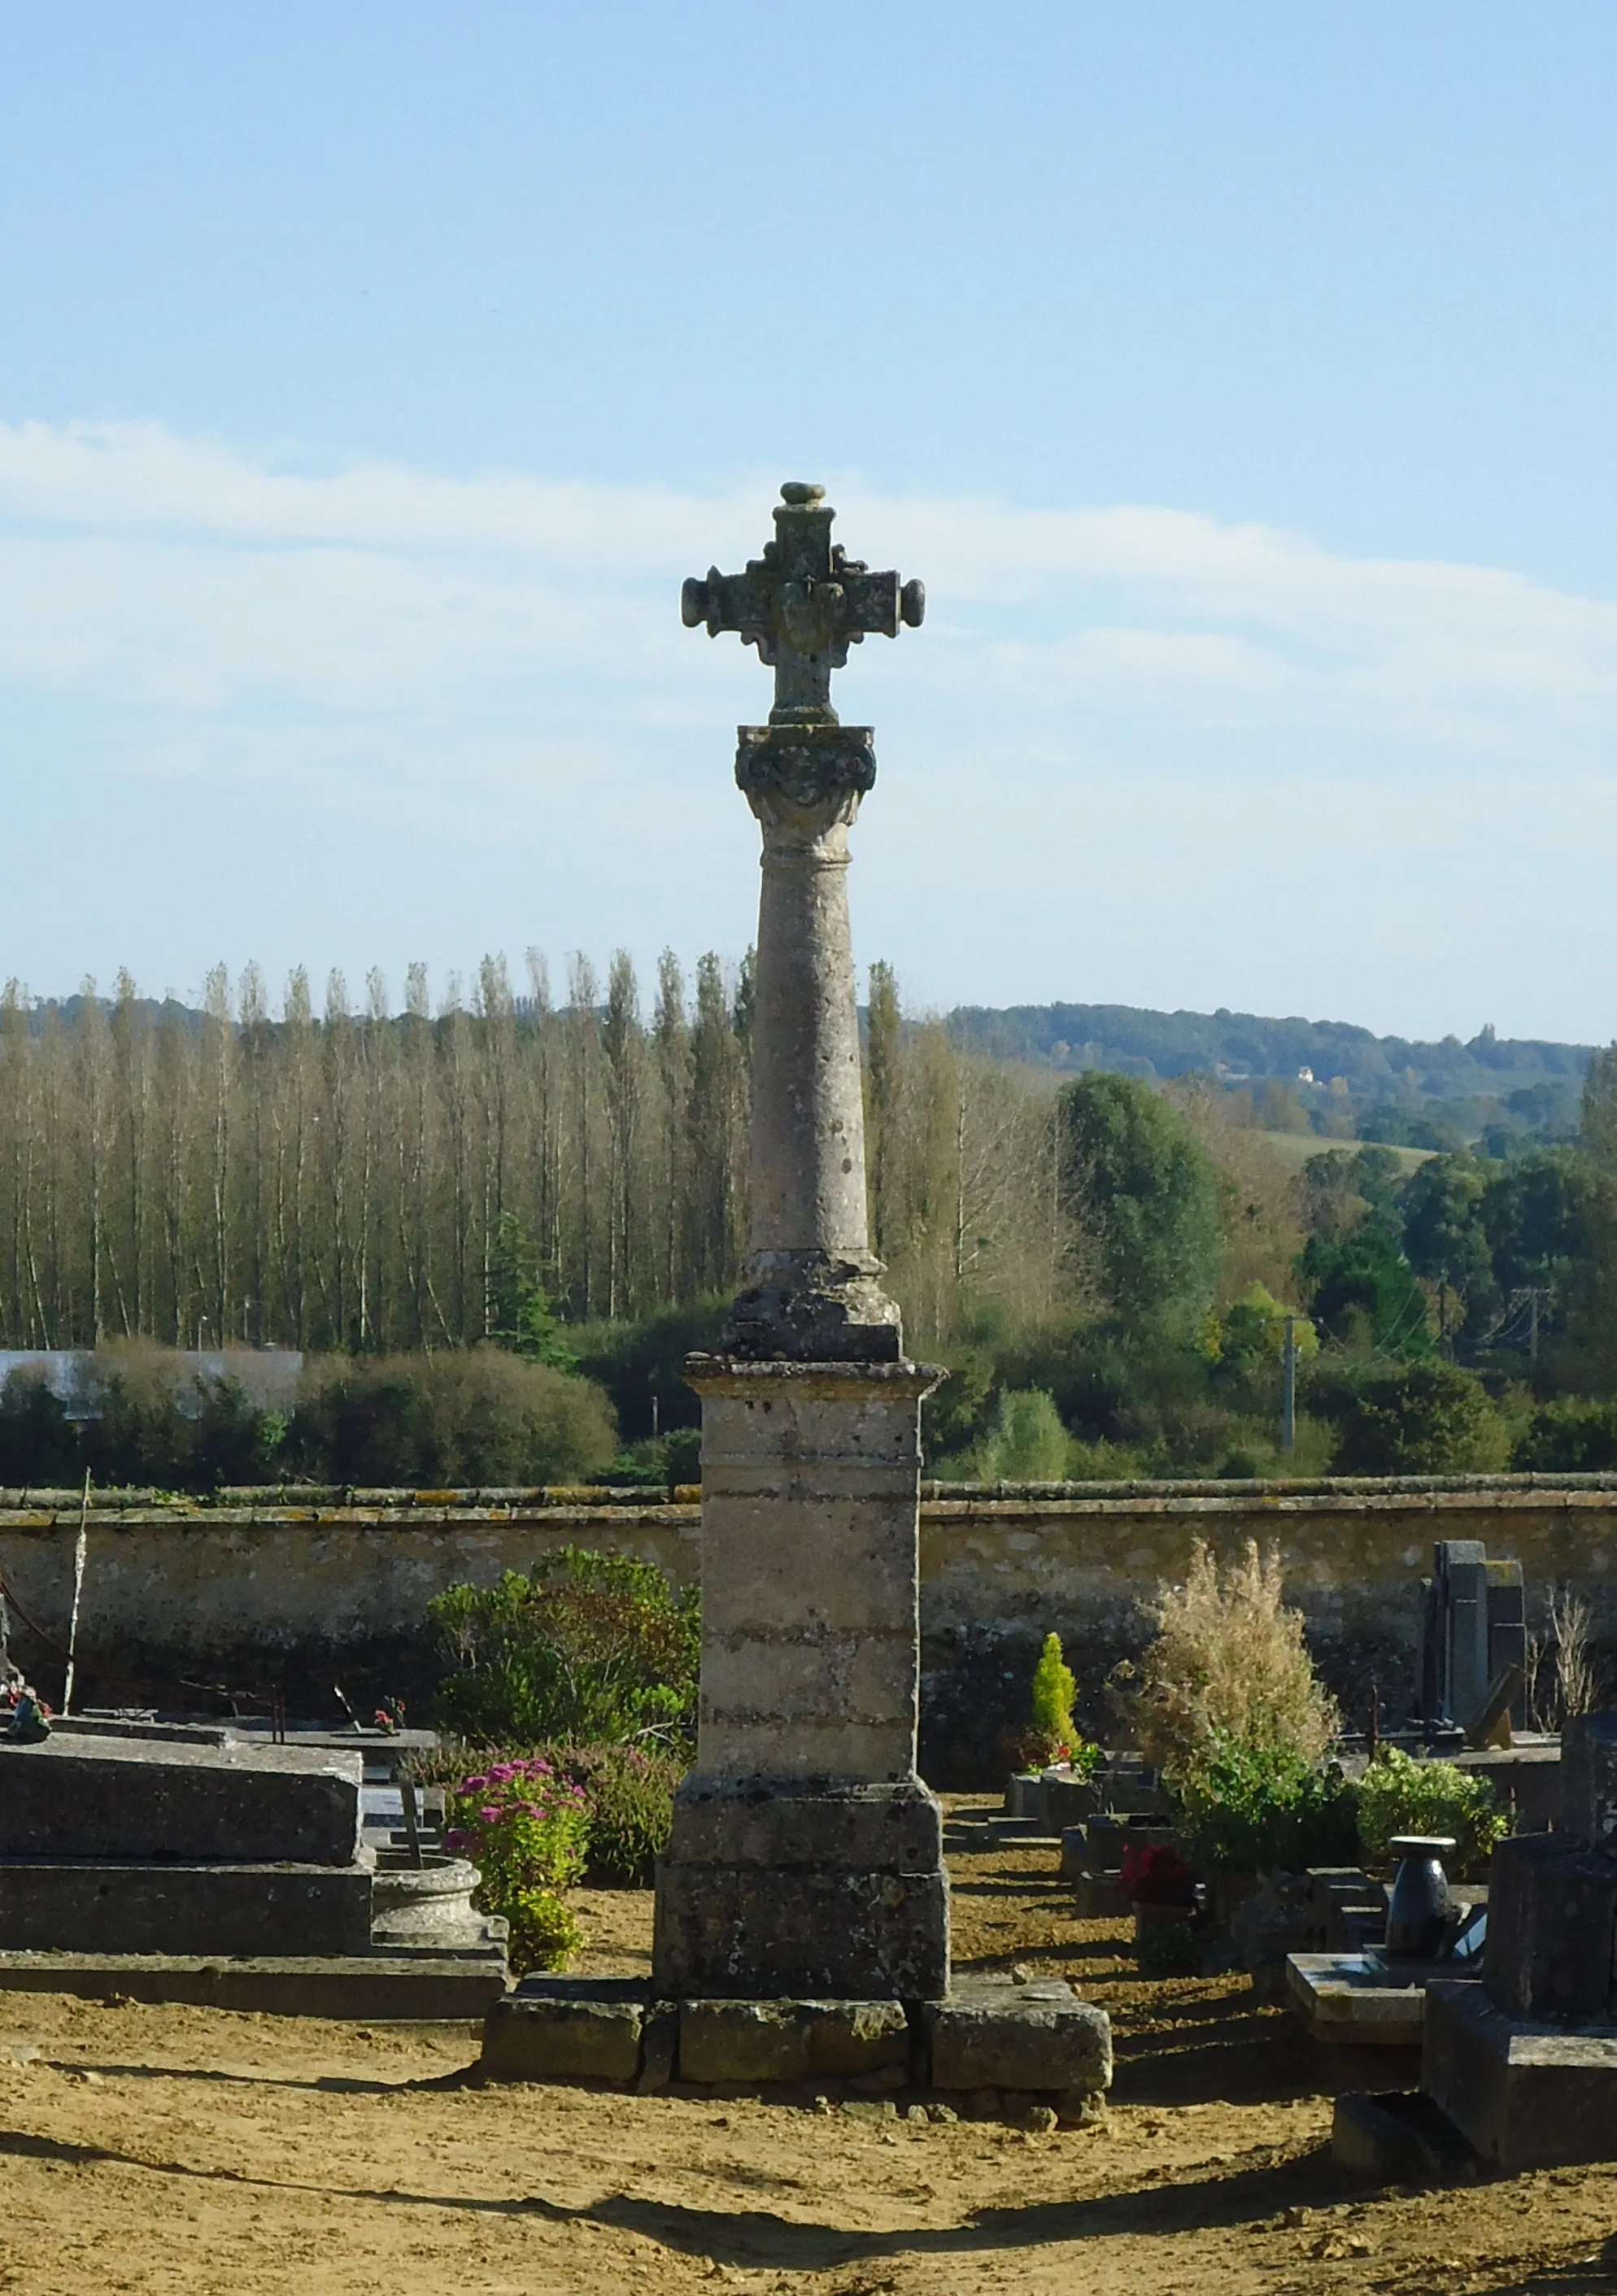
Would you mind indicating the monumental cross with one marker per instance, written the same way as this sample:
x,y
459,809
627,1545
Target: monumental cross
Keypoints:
x,y
806,1857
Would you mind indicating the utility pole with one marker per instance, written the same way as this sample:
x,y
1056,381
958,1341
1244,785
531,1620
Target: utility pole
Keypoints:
x,y
1288,1409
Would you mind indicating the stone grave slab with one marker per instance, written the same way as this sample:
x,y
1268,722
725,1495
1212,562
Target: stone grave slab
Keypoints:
x,y
364,1987
1354,2000
122,1799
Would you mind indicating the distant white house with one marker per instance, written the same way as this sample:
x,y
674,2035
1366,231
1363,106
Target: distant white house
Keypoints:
x,y
269,1376
1305,1075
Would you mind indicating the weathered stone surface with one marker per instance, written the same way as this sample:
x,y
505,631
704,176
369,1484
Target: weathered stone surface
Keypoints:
x,y
97,1797
992,2034
791,2040
1552,1923
1588,1780
566,2028
170,1908
359,1987
659,2048
426,1905
1350,1999
806,1857
878,1828
812,1294
1524,2092
767,1933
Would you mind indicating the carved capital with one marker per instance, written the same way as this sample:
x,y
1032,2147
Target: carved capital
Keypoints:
x,y
805,780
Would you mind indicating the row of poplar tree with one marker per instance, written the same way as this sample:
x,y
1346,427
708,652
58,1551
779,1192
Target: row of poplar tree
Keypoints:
x,y
380,1180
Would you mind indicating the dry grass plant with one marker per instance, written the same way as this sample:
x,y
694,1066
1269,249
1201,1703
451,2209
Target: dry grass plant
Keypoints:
x,y
1563,1668
1230,1664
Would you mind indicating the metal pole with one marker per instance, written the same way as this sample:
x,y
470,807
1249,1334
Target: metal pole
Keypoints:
x,y
1288,1412
81,1548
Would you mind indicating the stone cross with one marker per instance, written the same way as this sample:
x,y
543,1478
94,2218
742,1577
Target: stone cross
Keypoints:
x,y
811,1290
806,1857
803,604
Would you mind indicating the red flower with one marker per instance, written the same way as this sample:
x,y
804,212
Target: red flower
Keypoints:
x,y
1155,1874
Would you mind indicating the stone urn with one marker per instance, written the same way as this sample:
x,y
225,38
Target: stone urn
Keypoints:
x,y
429,1904
1418,1909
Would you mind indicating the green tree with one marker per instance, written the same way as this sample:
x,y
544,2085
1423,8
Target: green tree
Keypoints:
x,y
520,1316
1429,1418
1597,1126
1146,1191
1363,1286
1054,1687
1446,1240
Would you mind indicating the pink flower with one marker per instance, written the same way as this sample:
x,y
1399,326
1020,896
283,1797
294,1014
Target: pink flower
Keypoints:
x,y
490,1815
500,1774
472,1785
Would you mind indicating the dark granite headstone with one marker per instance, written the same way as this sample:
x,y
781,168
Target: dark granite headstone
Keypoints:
x,y
1552,1921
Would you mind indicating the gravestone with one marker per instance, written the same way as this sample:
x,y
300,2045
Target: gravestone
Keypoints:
x,y
1524,2063
1473,1628
183,1865
806,1857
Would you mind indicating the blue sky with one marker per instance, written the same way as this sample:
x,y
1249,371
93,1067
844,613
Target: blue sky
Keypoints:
x,y
1238,378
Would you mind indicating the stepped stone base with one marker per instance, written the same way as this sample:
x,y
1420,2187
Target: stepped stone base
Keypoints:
x,y
989,2038
803,1890
152,1907
374,1987
1524,2093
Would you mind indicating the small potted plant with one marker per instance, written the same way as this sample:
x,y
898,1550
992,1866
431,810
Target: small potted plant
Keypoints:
x,y
1159,1886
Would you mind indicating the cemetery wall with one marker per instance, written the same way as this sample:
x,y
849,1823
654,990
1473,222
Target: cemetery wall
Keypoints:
x,y
308,1590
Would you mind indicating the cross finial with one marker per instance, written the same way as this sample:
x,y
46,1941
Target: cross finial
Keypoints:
x,y
803,604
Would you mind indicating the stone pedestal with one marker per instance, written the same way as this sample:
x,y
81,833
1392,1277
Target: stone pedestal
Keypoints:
x,y
807,1855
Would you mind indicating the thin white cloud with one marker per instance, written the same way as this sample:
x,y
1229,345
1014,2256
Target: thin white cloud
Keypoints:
x,y
186,574
1135,754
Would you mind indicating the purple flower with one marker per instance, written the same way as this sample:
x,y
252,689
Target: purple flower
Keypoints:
x,y
472,1785
500,1774
490,1815
457,1838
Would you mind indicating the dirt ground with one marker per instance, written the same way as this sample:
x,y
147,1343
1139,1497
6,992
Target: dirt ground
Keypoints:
x,y
159,2150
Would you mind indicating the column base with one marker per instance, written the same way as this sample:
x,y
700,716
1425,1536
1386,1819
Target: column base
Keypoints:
x,y
794,1889
813,1306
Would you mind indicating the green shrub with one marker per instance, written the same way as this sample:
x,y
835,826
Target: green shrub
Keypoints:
x,y
525,1829
1028,1444
1429,1418
1251,1809
1569,1437
1054,1687
38,1444
630,1792
457,1419
590,1647
1399,1795
1167,1950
